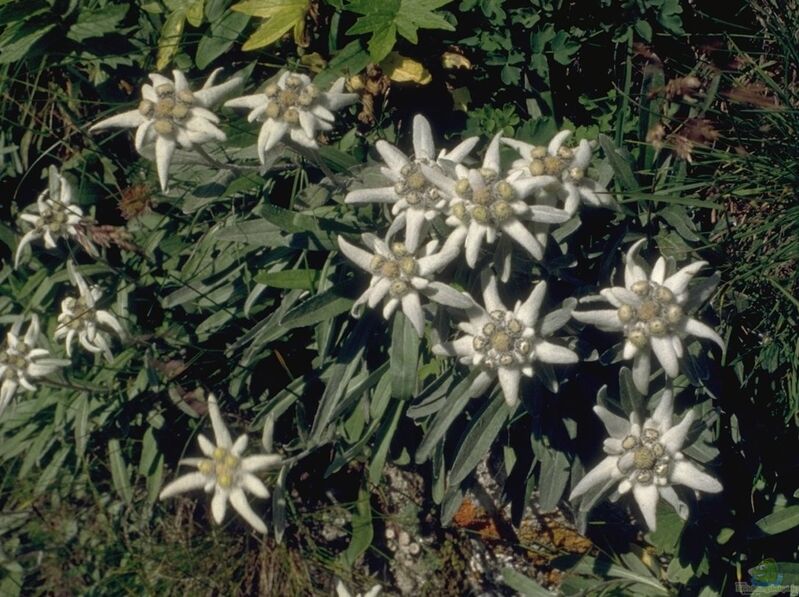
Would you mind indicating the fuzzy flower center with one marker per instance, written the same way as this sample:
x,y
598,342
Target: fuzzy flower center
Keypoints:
x,y
645,460
415,188
500,341
488,203
223,467
81,314
558,165
14,361
171,109
53,218
399,269
285,102
658,314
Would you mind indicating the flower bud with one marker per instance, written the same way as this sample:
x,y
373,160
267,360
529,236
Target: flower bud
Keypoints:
x,y
537,167
626,313
641,287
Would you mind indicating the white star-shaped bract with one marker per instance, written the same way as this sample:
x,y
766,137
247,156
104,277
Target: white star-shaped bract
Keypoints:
x,y
293,105
647,460
21,361
649,309
343,591
400,276
80,318
506,343
415,200
225,472
171,115
567,166
57,217
482,205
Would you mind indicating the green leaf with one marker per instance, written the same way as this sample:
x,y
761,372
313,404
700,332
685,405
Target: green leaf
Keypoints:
x,y
779,521
478,439
293,278
119,471
523,585
404,357
261,233
555,473
24,38
281,17
383,442
220,38
362,529
349,60
383,20
619,163
96,23
169,42
318,308
456,402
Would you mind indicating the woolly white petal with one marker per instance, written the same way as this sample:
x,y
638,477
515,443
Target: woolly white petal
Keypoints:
x,y
164,148
491,160
219,504
547,214
239,501
674,438
528,312
599,475
355,254
617,427
509,380
270,134
239,445
678,282
642,367
658,271
254,485
699,329
664,351
378,195
552,353
446,295
260,461
474,240
633,272
249,102
685,473
605,319
221,433
458,153
130,119
423,146
557,141
190,482
517,231
413,311
647,498
392,156
491,293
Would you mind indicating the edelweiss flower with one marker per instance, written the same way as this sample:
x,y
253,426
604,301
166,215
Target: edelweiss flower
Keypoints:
x,y
57,217
649,310
568,168
647,459
225,472
293,105
481,205
21,362
506,343
80,317
171,115
415,199
342,591
401,275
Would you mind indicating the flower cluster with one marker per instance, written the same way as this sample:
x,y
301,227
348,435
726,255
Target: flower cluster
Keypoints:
x,y
437,191
650,310
646,459
225,472
22,362
455,226
56,217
